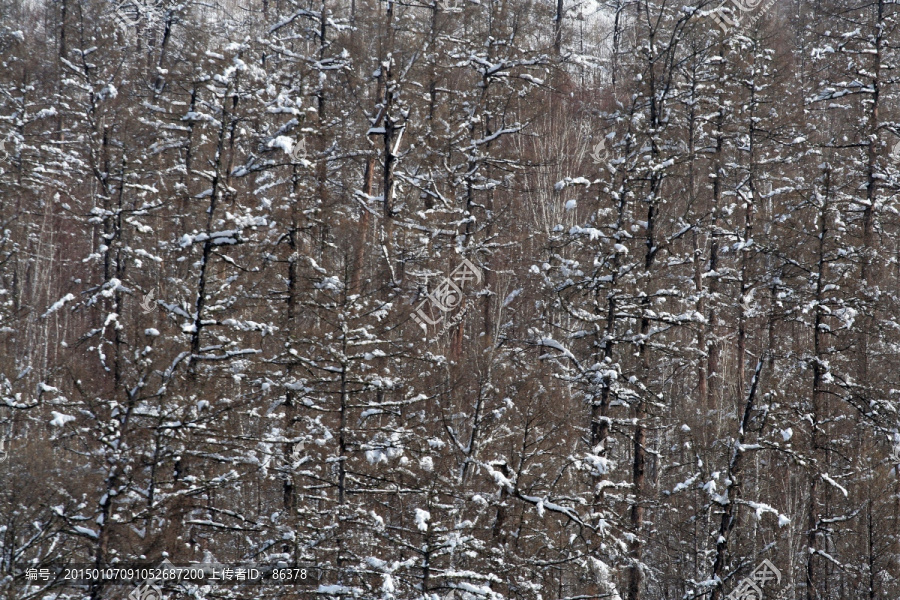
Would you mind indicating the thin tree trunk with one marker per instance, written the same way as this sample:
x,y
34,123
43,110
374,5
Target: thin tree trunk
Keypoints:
x,y
813,516
557,38
733,488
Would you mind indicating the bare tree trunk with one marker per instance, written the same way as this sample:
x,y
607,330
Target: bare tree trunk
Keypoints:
x,y
557,37
364,224
733,488
390,129
713,349
873,176
817,392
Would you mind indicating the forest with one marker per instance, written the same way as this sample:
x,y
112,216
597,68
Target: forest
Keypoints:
x,y
452,299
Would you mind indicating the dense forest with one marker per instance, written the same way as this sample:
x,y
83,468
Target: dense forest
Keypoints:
x,y
455,299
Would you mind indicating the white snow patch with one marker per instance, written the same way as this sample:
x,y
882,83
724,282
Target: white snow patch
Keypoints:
x,y
58,305
59,419
422,517
85,531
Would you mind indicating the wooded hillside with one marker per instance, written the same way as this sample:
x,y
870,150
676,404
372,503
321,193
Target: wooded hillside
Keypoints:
x,y
227,227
